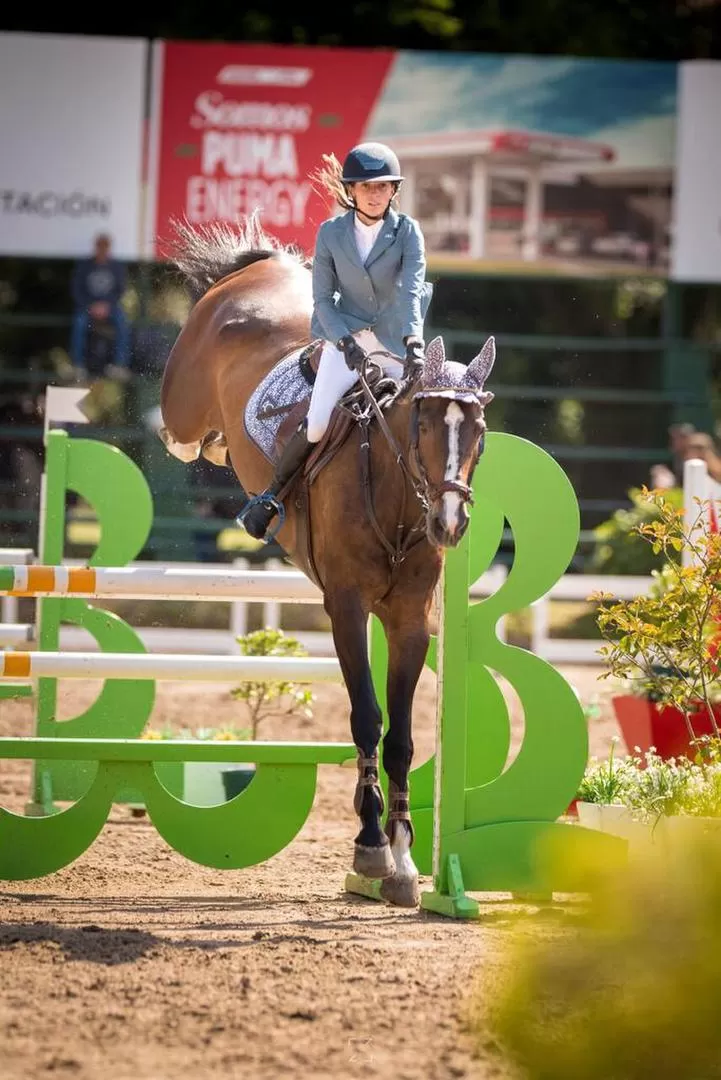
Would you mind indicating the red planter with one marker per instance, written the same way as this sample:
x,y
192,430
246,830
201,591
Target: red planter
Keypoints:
x,y
645,724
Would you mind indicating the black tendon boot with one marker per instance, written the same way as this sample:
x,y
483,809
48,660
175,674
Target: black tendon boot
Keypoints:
x,y
258,512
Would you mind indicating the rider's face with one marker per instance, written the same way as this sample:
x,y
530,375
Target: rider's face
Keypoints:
x,y
372,196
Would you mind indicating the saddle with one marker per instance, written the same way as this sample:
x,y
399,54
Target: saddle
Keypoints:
x,y
350,410
214,446
283,417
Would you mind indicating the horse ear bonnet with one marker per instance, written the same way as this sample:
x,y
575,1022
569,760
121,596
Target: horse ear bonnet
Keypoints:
x,y
479,369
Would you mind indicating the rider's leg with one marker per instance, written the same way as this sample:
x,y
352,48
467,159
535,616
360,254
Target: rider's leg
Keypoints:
x,y
331,382
259,511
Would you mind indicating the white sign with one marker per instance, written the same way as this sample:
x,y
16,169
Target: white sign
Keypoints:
x,y
71,143
63,405
697,224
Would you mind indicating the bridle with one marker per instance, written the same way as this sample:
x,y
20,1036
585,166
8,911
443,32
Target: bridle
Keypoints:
x,y
415,470
433,492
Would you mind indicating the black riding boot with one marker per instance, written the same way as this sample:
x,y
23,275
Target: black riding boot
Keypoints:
x,y
258,512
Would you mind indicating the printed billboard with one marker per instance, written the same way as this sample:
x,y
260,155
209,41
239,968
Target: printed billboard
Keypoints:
x,y
240,127
535,163
71,131
511,162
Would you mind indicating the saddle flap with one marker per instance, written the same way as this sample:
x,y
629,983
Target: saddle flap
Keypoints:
x,y
335,435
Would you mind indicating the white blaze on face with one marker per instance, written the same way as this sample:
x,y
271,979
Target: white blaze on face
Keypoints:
x,y
452,500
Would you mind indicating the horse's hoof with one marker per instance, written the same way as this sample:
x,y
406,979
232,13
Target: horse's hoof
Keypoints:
x,y
401,891
374,862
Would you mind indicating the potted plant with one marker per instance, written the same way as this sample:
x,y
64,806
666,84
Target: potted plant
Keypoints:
x,y
266,698
199,782
600,795
209,783
679,797
646,798
662,646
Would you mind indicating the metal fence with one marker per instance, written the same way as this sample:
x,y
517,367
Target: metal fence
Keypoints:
x,y
601,405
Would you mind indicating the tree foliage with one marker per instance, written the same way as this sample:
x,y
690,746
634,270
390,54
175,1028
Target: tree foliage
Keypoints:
x,y
641,29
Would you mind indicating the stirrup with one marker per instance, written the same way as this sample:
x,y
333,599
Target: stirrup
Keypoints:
x,y
266,498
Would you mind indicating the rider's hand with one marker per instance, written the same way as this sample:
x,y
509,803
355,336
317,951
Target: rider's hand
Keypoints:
x,y
353,353
413,364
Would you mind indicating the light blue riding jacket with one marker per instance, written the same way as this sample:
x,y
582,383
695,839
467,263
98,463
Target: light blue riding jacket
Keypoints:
x,y
389,294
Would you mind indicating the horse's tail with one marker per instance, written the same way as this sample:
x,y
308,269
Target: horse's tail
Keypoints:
x,y
205,254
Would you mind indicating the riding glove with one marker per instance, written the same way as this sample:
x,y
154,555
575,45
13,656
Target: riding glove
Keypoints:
x,y
353,353
413,364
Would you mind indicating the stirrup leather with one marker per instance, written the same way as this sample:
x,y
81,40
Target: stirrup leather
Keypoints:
x,y
266,498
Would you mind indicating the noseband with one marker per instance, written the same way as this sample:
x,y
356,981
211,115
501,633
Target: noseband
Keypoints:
x,y
432,491
414,469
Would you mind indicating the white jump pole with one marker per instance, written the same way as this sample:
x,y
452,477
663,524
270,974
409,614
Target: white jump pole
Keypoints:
x,y
695,487
57,665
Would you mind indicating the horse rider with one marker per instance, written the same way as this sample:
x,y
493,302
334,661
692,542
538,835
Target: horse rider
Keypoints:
x,y
369,294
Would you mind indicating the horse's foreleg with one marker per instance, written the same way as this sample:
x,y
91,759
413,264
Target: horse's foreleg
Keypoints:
x,y
372,857
407,648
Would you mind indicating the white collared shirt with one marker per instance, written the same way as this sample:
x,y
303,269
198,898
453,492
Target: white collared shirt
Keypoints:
x,y
365,236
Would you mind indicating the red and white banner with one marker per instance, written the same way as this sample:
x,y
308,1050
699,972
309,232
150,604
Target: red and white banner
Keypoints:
x,y
236,128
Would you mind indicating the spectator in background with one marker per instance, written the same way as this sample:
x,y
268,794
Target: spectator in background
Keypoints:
x,y
662,478
98,284
679,435
702,445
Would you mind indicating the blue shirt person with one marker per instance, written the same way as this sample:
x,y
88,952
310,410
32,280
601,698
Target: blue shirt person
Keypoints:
x,y
97,286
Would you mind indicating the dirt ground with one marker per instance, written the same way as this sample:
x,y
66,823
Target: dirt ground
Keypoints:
x,y
135,964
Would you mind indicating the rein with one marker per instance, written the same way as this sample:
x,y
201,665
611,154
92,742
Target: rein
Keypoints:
x,y
404,540
415,472
417,483
435,491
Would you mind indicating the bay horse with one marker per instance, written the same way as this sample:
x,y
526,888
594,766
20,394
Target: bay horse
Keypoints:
x,y
374,551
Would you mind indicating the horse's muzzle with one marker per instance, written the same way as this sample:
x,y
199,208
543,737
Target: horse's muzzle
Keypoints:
x,y
447,519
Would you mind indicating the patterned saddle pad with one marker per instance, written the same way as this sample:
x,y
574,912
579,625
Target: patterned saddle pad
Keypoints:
x,y
269,404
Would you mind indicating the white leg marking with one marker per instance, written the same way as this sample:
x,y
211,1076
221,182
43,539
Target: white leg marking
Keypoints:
x,y
401,850
452,500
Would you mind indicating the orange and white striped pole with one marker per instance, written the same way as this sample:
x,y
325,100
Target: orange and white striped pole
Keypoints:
x,y
161,583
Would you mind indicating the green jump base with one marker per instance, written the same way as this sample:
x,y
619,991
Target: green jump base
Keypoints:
x,y
453,907
363,886
15,690
159,750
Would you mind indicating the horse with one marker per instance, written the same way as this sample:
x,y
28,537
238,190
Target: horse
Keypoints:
x,y
379,514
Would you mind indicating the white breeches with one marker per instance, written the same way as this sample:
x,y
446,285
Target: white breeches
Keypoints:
x,y
334,378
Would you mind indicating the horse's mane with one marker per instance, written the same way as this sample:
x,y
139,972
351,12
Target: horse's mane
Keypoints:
x,y
204,254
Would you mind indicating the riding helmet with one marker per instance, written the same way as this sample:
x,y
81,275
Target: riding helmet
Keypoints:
x,y
371,161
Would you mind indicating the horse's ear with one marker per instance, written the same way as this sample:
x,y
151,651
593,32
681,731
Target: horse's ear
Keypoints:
x,y
435,359
481,366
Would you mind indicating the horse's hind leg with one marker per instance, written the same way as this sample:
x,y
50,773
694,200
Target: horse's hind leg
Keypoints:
x,y
372,857
408,638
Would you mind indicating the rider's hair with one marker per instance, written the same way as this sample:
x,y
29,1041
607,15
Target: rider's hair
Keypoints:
x,y
327,180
